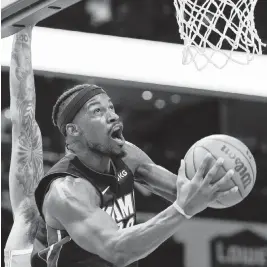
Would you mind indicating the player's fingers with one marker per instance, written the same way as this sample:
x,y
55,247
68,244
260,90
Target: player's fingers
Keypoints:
x,y
223,181
213,171
181,178
181,170
220,195
203,166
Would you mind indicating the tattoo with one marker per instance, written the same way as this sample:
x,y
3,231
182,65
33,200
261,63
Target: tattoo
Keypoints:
x,y
22,37
27,135
30,155
32,218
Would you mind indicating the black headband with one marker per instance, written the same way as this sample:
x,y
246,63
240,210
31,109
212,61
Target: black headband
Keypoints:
x,y
75,105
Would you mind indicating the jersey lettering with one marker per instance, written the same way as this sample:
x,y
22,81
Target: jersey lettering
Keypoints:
x,y
126,205
122,174
122,211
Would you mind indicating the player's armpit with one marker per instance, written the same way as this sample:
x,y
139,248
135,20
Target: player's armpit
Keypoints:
x,y
154,177
74,204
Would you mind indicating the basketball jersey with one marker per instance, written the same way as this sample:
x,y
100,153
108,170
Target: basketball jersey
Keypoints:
x,y
117,199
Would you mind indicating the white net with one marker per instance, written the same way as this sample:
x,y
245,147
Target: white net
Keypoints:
x,y
213,29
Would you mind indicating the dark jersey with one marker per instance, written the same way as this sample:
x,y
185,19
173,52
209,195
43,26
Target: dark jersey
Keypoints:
x,y
117,199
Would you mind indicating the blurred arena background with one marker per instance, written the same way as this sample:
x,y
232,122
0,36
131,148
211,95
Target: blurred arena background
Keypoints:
x,y
162,119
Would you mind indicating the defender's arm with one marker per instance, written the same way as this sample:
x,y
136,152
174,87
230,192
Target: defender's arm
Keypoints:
x,y
27,156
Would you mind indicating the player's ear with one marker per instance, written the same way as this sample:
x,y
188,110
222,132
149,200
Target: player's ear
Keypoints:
x,y
72,129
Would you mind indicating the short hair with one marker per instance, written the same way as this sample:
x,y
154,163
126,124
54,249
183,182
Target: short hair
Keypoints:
x,y
66,98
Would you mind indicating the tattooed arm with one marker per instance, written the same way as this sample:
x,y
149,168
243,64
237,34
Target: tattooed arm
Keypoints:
x,y
26,167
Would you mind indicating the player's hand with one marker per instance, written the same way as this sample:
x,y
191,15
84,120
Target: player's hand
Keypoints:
x,y
193,196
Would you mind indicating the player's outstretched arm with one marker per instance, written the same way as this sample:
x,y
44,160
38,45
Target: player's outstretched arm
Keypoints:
x,y
74,204
152,176
27,156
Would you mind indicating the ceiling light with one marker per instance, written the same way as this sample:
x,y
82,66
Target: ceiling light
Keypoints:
x,y
159,103
175,99
147,95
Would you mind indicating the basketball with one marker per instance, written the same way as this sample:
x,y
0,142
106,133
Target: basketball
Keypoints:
x,y
236,156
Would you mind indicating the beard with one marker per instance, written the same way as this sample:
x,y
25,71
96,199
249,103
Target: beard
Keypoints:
x,y
107,151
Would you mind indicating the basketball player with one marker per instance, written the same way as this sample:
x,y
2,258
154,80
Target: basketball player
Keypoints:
x,y
26,167
87,198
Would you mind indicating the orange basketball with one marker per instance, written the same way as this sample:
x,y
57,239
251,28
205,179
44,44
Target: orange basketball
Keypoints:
x,y
236,156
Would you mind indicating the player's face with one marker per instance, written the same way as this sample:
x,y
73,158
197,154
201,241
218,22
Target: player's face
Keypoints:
x,y
101,126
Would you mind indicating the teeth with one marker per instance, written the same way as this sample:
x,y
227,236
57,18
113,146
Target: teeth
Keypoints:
x,y
116,128
117,133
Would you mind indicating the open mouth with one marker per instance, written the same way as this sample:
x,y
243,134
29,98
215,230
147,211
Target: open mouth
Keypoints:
x,y
116,134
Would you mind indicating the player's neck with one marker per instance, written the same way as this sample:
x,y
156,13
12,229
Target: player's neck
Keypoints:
x,y
94,161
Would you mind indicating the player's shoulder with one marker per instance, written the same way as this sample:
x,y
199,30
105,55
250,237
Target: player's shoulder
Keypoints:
x,y
135,156
66,192
63,184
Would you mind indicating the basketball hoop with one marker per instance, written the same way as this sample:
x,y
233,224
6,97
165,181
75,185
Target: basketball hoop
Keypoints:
x,y
213,30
